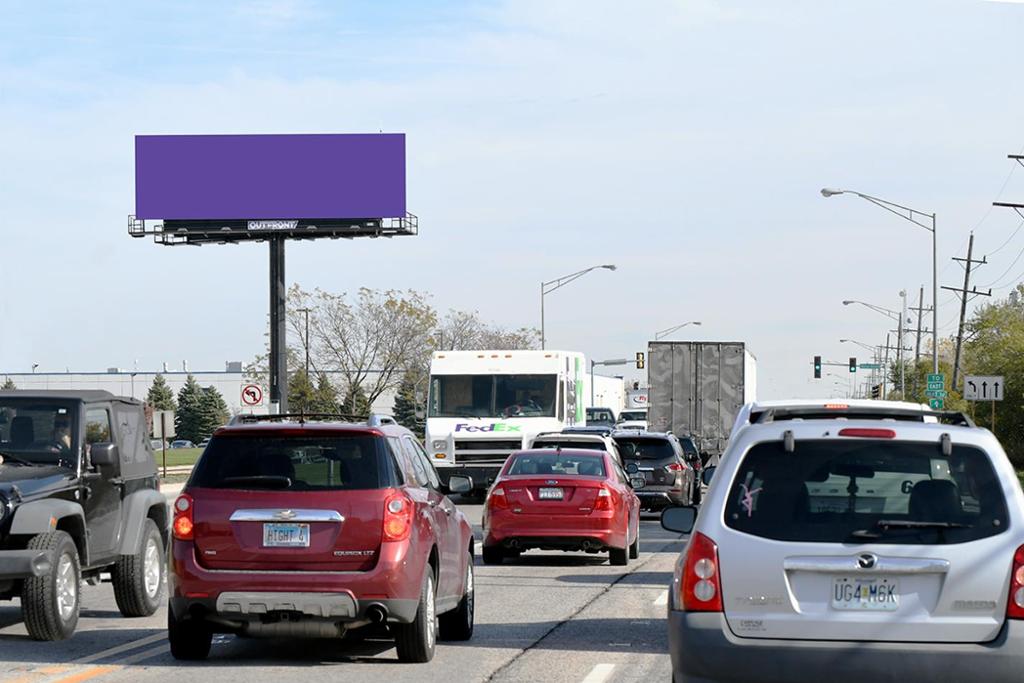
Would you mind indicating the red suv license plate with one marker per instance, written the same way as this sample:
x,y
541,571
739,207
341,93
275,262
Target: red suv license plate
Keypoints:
x,y
285,535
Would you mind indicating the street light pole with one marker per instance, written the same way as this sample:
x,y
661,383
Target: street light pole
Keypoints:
x,y
665,333
908,214
557,283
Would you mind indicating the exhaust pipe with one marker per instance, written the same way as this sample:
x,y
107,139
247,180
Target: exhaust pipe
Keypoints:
x,y
377,614
512,544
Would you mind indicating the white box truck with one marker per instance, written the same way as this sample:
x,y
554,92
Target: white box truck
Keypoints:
x,y
697,388
482,405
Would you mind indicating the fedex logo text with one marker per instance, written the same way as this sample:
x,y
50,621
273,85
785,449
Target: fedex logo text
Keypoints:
x,y
495,427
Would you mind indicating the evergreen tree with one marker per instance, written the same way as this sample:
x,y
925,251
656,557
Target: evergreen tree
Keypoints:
x,y
325,398
356,404
160,395
188,419
300,393
8,385
213,411
405,404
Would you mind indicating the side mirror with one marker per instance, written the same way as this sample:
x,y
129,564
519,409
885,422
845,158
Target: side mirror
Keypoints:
x,y
707,474
679,519
104,454
459,483
632,468
637,481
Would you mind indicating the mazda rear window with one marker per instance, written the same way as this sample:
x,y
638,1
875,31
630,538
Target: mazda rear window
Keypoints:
x,y
866,491
304,463
645,449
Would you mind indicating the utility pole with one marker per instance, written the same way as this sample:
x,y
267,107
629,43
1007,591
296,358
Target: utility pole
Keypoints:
x,y
965,295
885,369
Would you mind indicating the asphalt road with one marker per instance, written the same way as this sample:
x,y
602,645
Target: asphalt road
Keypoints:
x,y
545,617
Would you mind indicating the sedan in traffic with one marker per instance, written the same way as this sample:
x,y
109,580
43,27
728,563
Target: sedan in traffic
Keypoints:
x,y
561,499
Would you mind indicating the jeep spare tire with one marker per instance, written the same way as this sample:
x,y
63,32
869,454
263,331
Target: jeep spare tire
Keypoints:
x,y
50,603
139,578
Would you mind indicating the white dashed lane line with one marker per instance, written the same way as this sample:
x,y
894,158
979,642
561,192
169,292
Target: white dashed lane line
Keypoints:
x,y
661,600
599,673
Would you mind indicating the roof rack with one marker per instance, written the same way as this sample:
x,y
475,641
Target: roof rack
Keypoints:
x,y
950,417
373,420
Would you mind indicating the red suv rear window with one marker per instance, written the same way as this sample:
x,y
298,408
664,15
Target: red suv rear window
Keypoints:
x,y
297,463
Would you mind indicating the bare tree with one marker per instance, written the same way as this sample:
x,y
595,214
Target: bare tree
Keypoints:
x,y
462,330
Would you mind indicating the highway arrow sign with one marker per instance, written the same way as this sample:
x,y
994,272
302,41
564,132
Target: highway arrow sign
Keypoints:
x,y
935,403
984,387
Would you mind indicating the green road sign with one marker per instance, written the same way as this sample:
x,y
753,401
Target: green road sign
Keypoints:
x,y
935,403
936,385
939,377
870,366
937,393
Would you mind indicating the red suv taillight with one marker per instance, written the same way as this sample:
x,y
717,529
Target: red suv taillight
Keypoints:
x,y
182,527
674,467
604,499
1015,605
397,517
701,585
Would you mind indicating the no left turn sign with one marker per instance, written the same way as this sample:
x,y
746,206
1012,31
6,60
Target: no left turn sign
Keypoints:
x,y
252,394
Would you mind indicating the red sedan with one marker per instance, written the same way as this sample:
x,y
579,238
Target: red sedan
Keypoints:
x,y
561,499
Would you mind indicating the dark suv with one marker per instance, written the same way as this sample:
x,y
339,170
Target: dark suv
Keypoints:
x,y
295,528
668,471
78,496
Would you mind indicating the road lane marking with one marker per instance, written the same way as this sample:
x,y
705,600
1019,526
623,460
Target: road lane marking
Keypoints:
x,y
146,654
135,644
662,599
87,674
36,674
599,673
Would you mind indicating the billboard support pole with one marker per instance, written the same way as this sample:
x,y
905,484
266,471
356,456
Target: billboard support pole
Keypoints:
x,y
278,331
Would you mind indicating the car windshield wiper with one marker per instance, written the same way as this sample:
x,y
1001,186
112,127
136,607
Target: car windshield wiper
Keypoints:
x,y
8,457
260,480
883,525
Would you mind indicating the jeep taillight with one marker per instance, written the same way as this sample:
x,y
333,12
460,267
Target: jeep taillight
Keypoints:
x,y
604,499
182,526
496,499
1015,605
701,584
397,517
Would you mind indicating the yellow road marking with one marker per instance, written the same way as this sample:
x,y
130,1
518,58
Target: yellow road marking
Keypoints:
x,y
87,674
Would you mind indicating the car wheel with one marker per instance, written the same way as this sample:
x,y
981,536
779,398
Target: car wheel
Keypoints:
x,y
493,554
458,624
138,579
190,639
618,557
51,603
416,641
634,549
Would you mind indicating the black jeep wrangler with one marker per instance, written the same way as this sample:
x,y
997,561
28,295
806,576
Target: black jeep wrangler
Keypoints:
x,y
79,495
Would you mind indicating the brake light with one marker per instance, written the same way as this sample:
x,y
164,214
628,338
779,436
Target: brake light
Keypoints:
x,y
1015,605
397,518
675,467
701,585
868,433
183,527
604,499
497,500
836,406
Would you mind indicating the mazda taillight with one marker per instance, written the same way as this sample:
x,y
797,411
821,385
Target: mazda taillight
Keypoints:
x,y
701,584
1015,605
183,527
496,499
674,467
397,517
604,499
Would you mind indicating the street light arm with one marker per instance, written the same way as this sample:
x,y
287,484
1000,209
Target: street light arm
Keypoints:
x,y
899,209
659,335
566,279
879,309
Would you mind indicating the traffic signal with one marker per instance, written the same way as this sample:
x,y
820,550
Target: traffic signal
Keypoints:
x,y
876,391
817,367
639,360
853,365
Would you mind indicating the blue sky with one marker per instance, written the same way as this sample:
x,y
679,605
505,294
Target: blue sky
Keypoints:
x,y
683,141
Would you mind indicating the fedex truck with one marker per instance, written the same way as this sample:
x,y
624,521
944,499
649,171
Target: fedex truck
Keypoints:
x,y
482,405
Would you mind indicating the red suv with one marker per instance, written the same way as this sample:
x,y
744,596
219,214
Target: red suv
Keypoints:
x,y
312,529
562,499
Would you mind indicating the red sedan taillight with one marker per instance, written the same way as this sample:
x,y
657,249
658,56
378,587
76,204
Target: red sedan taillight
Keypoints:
x,y
1015,605
604,499
701,584
397,518
182,527
496,499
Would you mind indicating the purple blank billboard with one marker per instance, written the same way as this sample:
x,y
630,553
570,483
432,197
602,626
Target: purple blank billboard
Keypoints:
x,y
239,177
